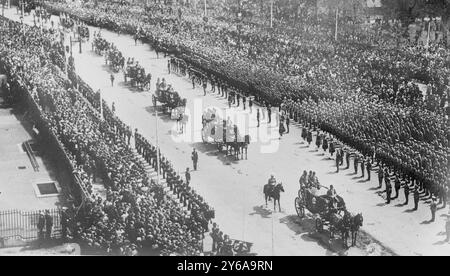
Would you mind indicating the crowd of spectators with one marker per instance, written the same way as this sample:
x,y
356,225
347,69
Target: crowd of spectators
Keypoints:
x,y
136,215
362,88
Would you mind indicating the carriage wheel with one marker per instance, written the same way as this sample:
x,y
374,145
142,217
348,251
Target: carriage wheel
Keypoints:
x,y
319,225
299,208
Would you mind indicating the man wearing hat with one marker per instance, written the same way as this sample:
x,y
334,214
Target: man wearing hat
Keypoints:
x,y
48,225
433,207
41,225
416,198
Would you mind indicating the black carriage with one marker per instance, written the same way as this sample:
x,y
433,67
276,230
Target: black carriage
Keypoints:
x,y
326,210
170,100
224,135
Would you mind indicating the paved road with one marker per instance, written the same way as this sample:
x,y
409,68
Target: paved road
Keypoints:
x,y
234,188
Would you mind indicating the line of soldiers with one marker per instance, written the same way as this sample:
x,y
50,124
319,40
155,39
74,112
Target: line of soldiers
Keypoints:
x,y
365,159
234,95
188,197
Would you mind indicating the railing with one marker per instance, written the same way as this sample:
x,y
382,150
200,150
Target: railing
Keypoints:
x,y
23,225
30,154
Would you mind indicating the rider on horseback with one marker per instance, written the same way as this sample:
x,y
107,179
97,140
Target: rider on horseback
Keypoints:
x,y
272,181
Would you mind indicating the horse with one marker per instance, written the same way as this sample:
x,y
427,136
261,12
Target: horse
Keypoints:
x,y
273,192
355,223
340,225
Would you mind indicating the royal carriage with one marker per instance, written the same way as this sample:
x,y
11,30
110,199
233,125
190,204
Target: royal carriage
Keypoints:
x,y
224,134
328,211
324,208
170,100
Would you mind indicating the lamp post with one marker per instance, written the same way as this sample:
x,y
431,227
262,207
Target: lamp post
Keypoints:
x,y
271,13
157,146
204,2
336,29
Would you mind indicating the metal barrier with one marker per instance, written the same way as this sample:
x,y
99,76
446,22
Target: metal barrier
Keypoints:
x,y
22,225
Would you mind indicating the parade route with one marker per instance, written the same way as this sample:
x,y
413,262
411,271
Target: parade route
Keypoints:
x,y
234,187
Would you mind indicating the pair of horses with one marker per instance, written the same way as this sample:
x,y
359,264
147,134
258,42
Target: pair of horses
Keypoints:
x,y
347,225
238,149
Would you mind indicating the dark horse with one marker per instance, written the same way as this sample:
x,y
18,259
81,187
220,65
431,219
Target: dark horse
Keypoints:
x,y
340,224
355,223
273,192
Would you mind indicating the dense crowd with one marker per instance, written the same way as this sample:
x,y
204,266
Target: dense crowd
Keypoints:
x,y
363,89
136,214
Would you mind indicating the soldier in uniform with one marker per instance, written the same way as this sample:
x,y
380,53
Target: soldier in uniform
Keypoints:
x,y
347,158
362,166
380,176
257,116
416,198
406,191
433,208
388,193
369,168
397,186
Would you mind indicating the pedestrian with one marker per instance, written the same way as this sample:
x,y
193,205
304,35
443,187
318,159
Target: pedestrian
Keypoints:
x,y
369,168
194,158
397,186
287,124
48,225
187,174
168,65
416,198
244,101
433,207
338,157
193,82
355,163
230,100
380,176
64,223
40,226
269,113
347,158
204,87
281,130
406,191
250,104
112,80
238,98
362,167
257,116
388,193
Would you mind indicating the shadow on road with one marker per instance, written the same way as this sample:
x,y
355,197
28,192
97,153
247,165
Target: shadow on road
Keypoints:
x,y
260,210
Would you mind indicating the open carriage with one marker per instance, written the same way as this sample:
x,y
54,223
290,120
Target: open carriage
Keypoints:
x,y
326,209
170,100
224,134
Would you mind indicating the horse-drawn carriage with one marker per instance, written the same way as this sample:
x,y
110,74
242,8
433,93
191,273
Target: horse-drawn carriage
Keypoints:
x,y
328,211
170,99
83,32
224,134
137,76
100,45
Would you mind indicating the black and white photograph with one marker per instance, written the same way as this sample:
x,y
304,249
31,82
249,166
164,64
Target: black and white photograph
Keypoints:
x,y
245,128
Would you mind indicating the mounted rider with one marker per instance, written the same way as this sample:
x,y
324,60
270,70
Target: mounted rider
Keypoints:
x,y
272,181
